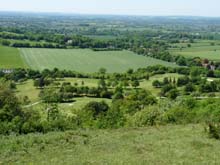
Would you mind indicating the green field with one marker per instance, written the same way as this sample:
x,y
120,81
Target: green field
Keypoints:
x,y
162,145
212,55
202,49
10,58
85,60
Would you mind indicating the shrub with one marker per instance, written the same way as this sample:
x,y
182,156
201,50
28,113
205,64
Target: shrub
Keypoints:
x,y
85,118
114,118
147,117
179,114
97,107
157,84
172,94
214,130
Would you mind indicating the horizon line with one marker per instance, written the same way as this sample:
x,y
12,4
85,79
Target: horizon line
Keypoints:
x,y
102,14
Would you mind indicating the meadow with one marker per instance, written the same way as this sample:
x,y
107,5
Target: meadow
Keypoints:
x,y
171,144
27,88
86,60
10,58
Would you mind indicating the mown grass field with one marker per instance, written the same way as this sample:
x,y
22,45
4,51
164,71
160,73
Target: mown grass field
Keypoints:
x,y
10,58
176,144
202,49
86,60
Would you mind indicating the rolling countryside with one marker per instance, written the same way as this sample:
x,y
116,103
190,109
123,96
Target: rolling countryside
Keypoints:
x,y
96,82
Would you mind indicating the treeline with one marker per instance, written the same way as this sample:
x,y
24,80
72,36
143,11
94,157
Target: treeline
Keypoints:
x,y
129,75
140,74
58,40
36,45
106,49
40,36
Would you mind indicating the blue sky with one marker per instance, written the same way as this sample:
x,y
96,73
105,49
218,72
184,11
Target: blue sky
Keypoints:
x,y
124,7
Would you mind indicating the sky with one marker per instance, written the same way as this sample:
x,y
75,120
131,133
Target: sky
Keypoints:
x,y
117,7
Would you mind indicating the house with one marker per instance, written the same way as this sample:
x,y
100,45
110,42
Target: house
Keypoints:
x,y
7,71
69,42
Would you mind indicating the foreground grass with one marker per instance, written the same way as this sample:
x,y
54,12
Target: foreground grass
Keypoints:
x,y
10,58
86,60
154,145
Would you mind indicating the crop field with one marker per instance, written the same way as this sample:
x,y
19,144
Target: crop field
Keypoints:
x,y
86,60
159,145
202,49
10,58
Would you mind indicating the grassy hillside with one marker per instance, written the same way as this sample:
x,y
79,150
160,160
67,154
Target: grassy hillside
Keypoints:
x,y
10,58
153,145
85,60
